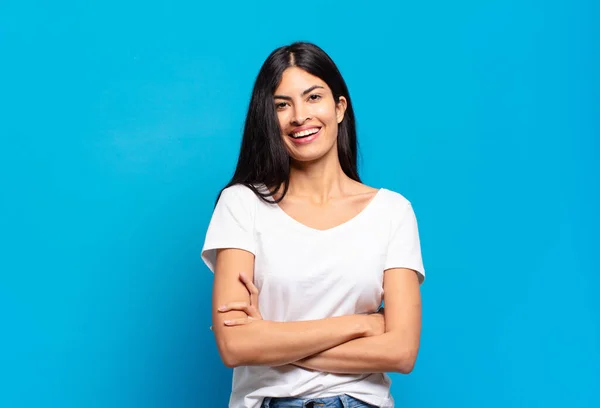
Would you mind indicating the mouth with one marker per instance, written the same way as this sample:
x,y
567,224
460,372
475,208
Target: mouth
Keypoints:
x,y
305,136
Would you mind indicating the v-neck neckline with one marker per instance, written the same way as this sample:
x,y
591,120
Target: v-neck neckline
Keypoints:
x,y
337,227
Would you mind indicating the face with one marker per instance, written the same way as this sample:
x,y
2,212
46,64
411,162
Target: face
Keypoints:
x,y
308,115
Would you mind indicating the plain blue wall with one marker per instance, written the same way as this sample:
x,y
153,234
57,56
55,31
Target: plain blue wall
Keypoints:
x,y
120,122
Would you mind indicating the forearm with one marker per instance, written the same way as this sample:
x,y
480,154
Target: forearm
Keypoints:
x,y
375,354
277,343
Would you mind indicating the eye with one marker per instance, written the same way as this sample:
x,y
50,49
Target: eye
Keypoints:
x,y
314,97
280,105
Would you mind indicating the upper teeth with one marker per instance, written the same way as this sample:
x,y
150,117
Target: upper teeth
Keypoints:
x,y
305,132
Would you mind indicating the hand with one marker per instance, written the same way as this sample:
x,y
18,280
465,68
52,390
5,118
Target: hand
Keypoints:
x,y
251,309
376,323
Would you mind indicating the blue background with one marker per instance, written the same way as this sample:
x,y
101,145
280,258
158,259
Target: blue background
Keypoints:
x,y
121,120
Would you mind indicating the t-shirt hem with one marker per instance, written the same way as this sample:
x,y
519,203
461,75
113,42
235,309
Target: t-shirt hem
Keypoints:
x,y
417,268
209,252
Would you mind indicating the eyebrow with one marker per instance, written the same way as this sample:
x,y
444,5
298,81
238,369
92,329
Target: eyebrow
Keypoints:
x,y
312,88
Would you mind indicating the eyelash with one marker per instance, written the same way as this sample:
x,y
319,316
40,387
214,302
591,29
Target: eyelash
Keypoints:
x,y
313,97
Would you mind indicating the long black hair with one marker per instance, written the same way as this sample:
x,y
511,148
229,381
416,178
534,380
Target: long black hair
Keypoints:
x,y
263,158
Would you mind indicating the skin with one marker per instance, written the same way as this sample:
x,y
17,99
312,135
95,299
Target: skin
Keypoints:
x,y
320,196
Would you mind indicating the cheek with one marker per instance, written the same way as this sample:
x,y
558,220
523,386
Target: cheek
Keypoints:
x,y
325,113
284,119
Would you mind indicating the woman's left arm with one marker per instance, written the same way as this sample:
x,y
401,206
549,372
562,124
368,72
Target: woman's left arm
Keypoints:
x,y
395,350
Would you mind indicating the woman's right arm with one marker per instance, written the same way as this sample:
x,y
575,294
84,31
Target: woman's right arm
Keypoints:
x,y
268,343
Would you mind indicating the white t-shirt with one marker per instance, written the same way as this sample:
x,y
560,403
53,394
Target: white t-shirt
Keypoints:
x,y
304,273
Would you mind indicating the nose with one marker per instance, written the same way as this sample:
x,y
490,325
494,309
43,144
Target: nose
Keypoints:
x,y
300,115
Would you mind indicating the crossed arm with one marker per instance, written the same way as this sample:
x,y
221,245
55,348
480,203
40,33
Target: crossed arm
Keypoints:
x,y
386,342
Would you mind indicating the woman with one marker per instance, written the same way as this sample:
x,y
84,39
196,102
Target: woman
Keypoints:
x,y
303,252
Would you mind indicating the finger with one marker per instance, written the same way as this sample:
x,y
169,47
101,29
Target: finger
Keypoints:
x,y
243,306
250,310
249,284
238,322
251,288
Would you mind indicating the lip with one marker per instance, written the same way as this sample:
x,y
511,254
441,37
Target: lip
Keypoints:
x,y
306,139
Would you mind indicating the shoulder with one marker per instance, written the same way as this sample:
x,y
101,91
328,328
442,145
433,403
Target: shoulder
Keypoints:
x,y
386,195
240,193
396,207
394,199
238,197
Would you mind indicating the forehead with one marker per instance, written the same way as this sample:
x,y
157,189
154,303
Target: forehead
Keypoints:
x,y
295,81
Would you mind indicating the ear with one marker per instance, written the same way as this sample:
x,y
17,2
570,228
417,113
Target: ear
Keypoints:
x,y
340,108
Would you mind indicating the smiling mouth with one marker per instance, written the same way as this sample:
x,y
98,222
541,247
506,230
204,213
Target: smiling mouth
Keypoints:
x,y
304,133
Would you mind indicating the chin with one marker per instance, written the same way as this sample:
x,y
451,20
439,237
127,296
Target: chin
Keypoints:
x,y
312,155
306,159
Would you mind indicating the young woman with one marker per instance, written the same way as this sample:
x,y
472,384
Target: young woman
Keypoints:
x,y
303,252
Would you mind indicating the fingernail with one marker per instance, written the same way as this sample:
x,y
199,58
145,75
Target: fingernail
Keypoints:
x,y
221,308
227,321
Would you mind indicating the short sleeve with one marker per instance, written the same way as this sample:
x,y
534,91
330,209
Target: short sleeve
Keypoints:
x,y
404,247
231,224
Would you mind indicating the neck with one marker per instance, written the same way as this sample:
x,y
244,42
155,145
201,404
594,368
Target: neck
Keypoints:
x,y
319,180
